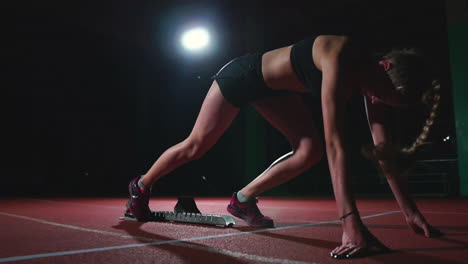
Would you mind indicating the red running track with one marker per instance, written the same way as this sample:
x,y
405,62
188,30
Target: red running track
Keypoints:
x,y
89,231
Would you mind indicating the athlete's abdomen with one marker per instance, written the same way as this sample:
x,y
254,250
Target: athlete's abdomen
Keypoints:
x,y
278,72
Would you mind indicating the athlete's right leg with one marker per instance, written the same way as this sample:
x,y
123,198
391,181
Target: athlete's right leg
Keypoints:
x,y
215,116
291,116
296,122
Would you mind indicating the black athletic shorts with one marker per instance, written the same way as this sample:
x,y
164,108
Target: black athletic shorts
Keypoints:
x,y
241,81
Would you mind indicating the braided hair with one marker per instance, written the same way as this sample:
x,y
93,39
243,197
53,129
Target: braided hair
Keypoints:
x,y
409,76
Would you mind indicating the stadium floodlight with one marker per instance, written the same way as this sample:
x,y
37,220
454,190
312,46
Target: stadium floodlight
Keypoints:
x,y
196,39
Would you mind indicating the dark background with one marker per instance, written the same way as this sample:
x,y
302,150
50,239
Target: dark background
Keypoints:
x,y
97,90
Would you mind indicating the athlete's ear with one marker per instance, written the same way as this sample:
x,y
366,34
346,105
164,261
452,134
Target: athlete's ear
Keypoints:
x,y
387,64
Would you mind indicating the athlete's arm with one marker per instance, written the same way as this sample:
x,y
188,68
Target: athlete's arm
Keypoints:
x,y
377,116
334,116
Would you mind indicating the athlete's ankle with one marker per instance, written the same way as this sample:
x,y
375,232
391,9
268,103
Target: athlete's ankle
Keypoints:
x,y
242,198
144,183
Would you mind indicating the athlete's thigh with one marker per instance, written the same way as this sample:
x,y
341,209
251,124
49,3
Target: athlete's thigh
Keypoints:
x,y
291,116
216,114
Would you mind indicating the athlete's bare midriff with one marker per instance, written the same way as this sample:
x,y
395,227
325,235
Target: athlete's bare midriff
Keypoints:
x,y
278,72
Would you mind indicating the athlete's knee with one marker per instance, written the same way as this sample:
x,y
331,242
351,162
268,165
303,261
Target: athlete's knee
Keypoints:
x,y
308,153
194,148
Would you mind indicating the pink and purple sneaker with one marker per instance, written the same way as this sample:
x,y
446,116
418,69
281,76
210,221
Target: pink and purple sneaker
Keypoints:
x,y
249,212
138,204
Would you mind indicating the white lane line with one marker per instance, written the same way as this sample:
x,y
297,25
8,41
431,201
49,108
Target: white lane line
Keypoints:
x,y
212,250
245,256
165,242
68,226
264,206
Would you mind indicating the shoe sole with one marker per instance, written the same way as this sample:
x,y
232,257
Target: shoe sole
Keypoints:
x,y
238,213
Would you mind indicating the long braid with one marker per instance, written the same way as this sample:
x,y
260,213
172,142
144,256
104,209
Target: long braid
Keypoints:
x,y
409,74
393,159
429,121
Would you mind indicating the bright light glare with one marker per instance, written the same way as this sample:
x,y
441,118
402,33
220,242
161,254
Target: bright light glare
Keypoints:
x,y
195,39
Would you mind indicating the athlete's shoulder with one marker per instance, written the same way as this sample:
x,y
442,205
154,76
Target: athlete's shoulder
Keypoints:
x,y
332,44
330,50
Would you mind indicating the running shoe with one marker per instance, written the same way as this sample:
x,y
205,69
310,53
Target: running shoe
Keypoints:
x,y
137,205
249,212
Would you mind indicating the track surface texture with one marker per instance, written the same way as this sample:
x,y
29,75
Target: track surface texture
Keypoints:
x,y
89,231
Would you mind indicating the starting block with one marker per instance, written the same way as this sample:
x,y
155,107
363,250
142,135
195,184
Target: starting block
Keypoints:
x,y
186,211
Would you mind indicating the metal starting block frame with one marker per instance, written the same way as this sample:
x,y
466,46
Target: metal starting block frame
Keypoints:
x,y
186,211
